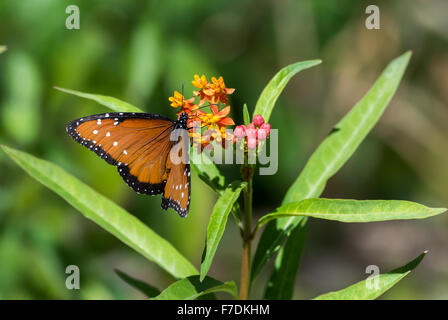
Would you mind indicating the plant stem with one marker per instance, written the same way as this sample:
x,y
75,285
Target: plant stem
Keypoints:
x,y
247,237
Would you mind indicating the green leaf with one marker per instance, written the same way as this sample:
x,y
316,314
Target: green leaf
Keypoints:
x,y
210,174
207,171
141,286
217,223
348,134
191,288
105,213
246,115
362,291
353,210
331,155
271,92
110,102
280,285
3,49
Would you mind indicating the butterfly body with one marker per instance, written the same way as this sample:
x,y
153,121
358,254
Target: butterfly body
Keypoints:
x,y
140,145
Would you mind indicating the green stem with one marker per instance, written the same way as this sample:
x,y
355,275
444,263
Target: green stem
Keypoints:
x,y
247,234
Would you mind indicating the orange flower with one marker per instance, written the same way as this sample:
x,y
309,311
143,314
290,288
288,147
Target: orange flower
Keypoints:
x,y
220,91
203,85
217,134
187,106
214,92
217,118
201,140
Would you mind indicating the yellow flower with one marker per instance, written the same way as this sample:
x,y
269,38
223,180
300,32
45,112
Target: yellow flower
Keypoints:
x,y
214,92
220,92
177,100
200,82
217,118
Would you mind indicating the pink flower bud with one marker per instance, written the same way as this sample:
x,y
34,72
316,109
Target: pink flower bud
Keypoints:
x,y
251,133
240,132
262,134
267,127
252,143
258,120
250,126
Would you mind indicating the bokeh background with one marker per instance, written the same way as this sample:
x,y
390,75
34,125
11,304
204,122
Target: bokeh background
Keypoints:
x,y
141,51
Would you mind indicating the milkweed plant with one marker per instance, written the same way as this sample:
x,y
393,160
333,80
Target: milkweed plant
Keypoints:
x,y
282,232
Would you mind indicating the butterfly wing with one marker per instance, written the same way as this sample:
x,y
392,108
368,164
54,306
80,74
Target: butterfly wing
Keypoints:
x,y
137,143
178,187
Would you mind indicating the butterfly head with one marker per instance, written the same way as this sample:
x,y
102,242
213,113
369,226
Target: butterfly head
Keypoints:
x,y
182,122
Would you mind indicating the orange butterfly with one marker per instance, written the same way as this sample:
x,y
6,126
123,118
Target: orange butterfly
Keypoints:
x,y
140,145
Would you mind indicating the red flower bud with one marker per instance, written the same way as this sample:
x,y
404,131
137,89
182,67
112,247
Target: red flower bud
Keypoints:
x,y
240,131
252,143
258,120
267,127
262,134
250,126
251,133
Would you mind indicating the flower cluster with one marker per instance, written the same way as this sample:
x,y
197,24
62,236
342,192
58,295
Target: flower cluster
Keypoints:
x,y
253,134
207,127
215,93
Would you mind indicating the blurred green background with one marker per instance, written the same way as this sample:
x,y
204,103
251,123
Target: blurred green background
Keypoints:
x,y
141,51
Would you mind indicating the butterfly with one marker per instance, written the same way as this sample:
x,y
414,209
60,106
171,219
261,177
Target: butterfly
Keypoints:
x,y
141,146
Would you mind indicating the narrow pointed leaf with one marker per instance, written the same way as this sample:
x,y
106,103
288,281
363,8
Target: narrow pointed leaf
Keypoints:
x,y
110,102
353,210
192,288
210,174
246,115
217,223
368,291
274,88
348,134
105,213
331,155
141,286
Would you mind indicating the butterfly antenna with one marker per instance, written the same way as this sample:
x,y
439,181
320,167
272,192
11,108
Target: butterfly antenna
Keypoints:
x,y
182,94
